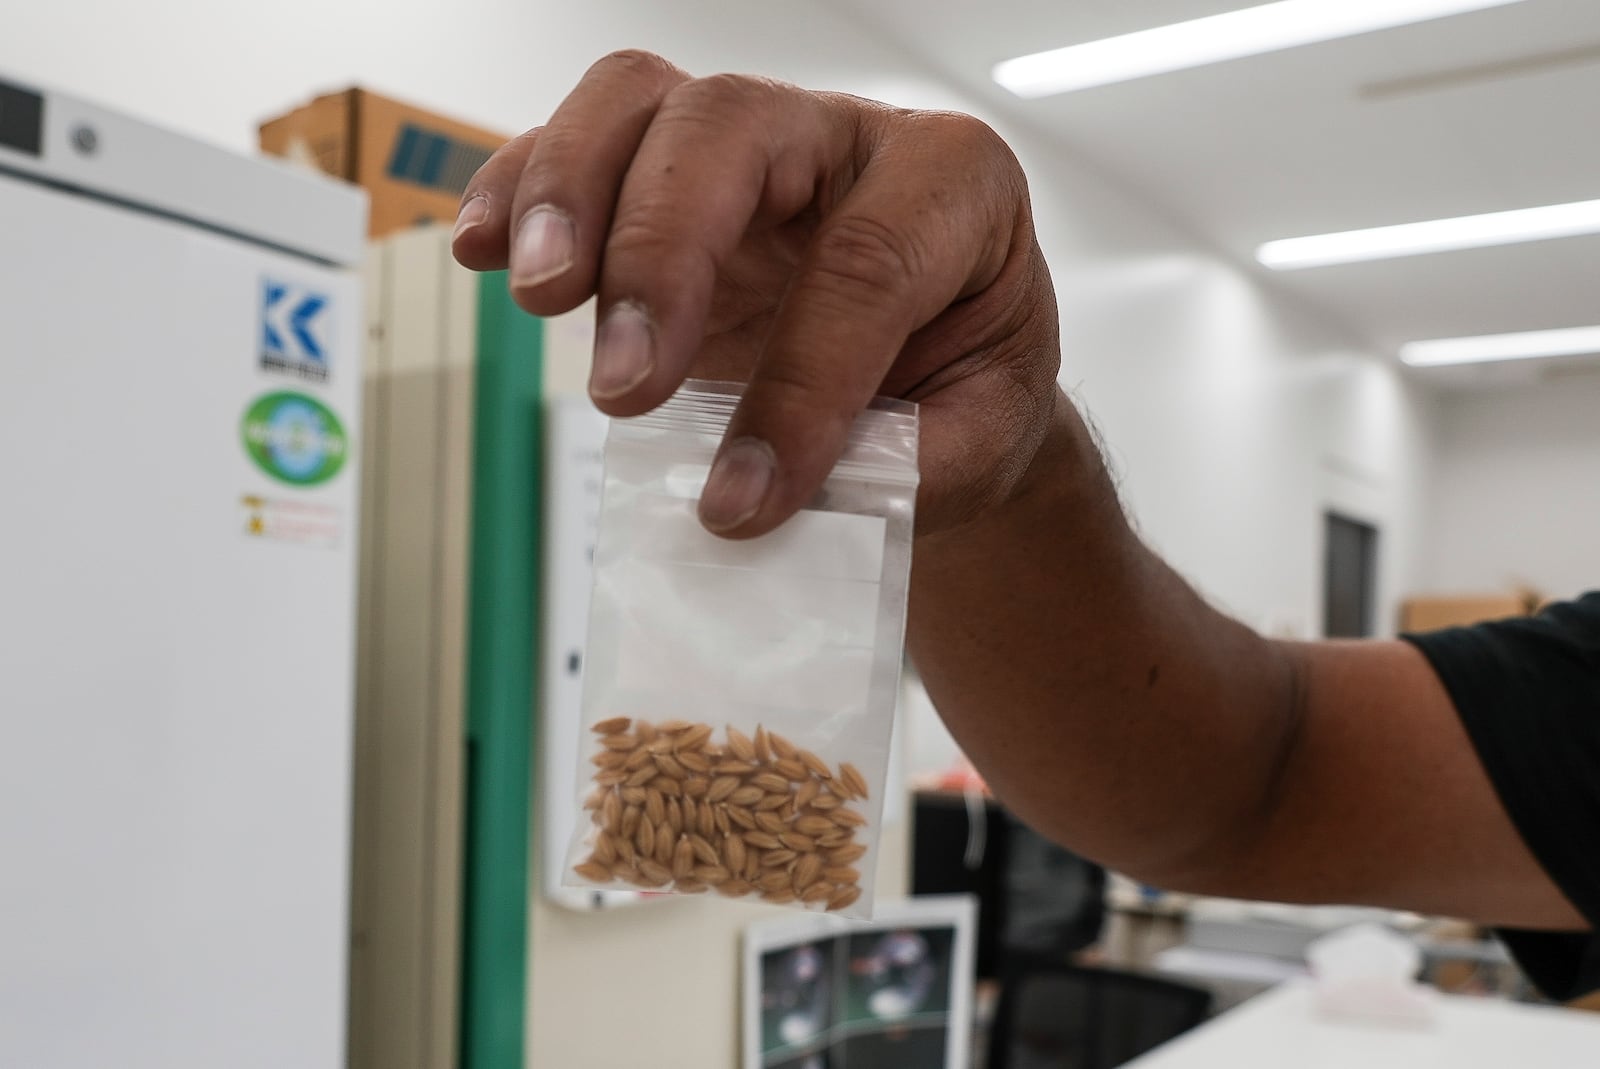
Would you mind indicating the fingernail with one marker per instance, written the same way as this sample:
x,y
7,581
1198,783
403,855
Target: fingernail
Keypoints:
x,y
544,247
622,352
739,481
473,213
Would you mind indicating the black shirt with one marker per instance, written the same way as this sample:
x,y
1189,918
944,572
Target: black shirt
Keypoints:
x,y
1528,692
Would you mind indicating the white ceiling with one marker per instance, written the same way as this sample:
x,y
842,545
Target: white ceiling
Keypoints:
x,y
1475,113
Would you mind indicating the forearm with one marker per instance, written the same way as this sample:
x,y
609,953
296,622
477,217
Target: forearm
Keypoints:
x,y
1100,696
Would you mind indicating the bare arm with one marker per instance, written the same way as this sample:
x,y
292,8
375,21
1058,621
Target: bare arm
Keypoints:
x,y
1120,714
824,249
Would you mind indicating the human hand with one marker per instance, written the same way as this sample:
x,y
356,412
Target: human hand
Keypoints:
x,y
821,247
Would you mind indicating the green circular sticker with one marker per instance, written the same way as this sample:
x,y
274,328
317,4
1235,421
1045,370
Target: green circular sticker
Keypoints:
x,y
294,438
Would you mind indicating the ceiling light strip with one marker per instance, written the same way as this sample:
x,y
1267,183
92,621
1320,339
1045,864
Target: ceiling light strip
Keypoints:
x,y
1215,39
1436,235
1570,341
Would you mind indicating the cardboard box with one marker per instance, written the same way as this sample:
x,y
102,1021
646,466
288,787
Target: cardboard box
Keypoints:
x,y
413,163
1433,613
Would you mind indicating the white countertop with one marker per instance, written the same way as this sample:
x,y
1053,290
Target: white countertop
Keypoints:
x,y
1280,1029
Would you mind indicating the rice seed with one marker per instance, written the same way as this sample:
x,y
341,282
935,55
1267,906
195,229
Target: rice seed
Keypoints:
x,y
626,854
607,759
635,795
733,852
852,778
817,765
696,786
690,887
616,725
746,796
604,851
652,874
752,865
741,816
655,806
611,812
762,747
667,785
773,802
847,818
675,815
629,827
593,870
814,825
739,744
694,738
789,768
845,896
846,854
734,888
669,766
820,891
776,880
721,814
646,731
806,871
704,823
637,759
619,741
774,858
809,790
666,842
691,814
703,850
787,811
837,837
711,874
795,841
642,776
611,777
682,858
672,727
660,744
721,787
770,781
780,897
732,767
771,822
841,874
597,799
763,840
781,746
645,837
694,762
825,802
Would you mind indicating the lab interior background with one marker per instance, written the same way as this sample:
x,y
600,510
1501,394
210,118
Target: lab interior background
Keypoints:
x,y
1238,405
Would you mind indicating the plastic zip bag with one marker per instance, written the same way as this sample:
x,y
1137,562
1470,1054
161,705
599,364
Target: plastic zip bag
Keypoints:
x,y
738,695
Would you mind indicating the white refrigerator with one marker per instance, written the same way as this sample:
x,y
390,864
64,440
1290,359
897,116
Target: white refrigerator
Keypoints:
x,y
180,336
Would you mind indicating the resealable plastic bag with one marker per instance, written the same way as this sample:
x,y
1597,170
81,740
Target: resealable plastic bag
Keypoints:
x,y
738,695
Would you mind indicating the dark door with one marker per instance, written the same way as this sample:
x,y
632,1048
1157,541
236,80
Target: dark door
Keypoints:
x,y
1350,577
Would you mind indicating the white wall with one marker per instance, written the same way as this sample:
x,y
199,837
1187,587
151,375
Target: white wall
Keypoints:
x,y
1233,419
1516,497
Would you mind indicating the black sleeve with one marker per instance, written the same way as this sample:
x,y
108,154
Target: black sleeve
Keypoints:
x,y
1528,692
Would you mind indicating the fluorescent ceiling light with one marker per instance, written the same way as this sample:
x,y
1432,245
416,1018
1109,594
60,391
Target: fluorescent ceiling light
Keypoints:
x,y
1574,341
1230,35
1437,235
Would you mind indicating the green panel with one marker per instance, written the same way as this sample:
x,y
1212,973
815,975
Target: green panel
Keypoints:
x,y
500,664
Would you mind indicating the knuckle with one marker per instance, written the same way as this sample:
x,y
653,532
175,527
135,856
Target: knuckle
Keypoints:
x,y
721,100
863,252
636,61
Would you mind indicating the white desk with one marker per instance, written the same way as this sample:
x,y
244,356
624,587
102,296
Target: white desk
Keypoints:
x,y
1280,1029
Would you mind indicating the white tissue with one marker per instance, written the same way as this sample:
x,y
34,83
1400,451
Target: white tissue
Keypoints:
x,y
1367,973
